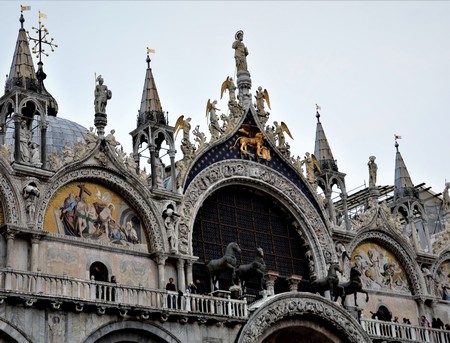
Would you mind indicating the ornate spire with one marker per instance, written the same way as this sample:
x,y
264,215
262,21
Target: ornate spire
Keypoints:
x,y
403,185
22,74
322,149
150,104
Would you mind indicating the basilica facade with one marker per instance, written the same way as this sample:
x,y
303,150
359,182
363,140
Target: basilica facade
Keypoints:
x,y
232,239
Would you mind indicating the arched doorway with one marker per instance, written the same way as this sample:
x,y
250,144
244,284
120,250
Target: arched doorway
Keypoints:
x,y
99,271
299,331
301,318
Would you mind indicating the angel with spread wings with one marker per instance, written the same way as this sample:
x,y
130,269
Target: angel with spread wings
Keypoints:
x,y
279,133
214,126
261,96
228,84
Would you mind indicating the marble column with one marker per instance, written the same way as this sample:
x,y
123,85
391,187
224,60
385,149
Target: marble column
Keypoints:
x,y
181,276
161,261
188,266
173,173
10,236
34,252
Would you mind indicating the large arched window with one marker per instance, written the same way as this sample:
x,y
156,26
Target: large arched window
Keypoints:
x,y
252,219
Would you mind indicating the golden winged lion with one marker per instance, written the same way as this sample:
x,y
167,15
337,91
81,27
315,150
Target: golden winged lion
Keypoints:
x,y
254,140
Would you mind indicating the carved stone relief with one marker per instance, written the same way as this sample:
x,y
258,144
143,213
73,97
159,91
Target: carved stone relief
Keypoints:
x,y
285,306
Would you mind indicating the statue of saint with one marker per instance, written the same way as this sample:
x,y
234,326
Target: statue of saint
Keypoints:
x,y
446,198
372,171
170,220
25,140
240,52
102,95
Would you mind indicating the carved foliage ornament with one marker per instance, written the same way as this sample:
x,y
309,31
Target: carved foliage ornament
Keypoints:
x,y
311,307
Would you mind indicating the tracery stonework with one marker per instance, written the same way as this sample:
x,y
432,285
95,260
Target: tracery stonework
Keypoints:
x,y
136,200
287,305
236,172
415,277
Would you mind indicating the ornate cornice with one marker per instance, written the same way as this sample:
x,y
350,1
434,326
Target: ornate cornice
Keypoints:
x,y
311,307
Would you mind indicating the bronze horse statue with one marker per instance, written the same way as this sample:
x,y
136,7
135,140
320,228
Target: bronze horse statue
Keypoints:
x,y
354,286
330,282
253,270
227,262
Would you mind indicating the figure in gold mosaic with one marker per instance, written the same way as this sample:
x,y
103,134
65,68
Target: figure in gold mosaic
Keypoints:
x,y
91,211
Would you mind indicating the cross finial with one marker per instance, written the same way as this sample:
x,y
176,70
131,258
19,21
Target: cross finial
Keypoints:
x,y
42,33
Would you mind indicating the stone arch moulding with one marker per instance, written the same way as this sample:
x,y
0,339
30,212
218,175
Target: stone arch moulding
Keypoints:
x,y
441,259
241,172
285,307
169,139
153,223
119,327
8,199
26,100
12,332
406,259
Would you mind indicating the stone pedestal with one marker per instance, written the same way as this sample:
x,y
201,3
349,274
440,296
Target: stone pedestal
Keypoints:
x,y
100,122
293,282
271,277
244,84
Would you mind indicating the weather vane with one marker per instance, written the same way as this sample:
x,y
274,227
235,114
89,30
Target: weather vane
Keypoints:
x,y
42,33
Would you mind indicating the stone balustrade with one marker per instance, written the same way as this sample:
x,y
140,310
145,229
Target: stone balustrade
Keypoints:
x,y
404,332
64,288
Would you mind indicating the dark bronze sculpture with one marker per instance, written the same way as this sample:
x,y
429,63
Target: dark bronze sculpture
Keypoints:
x,y
328,283
354,286
253,270
227,262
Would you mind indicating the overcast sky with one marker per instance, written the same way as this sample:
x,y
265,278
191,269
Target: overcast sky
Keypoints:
x,y
376,68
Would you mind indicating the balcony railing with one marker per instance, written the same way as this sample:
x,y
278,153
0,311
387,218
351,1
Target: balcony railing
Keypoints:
x,y
46,286
403,332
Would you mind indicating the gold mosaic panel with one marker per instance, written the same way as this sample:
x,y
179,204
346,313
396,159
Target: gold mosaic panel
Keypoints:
x,y
92,211
380,269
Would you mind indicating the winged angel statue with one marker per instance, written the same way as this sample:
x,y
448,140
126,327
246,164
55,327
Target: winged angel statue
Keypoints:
x,y
214,126
279,133
261,96
255,139
228,84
